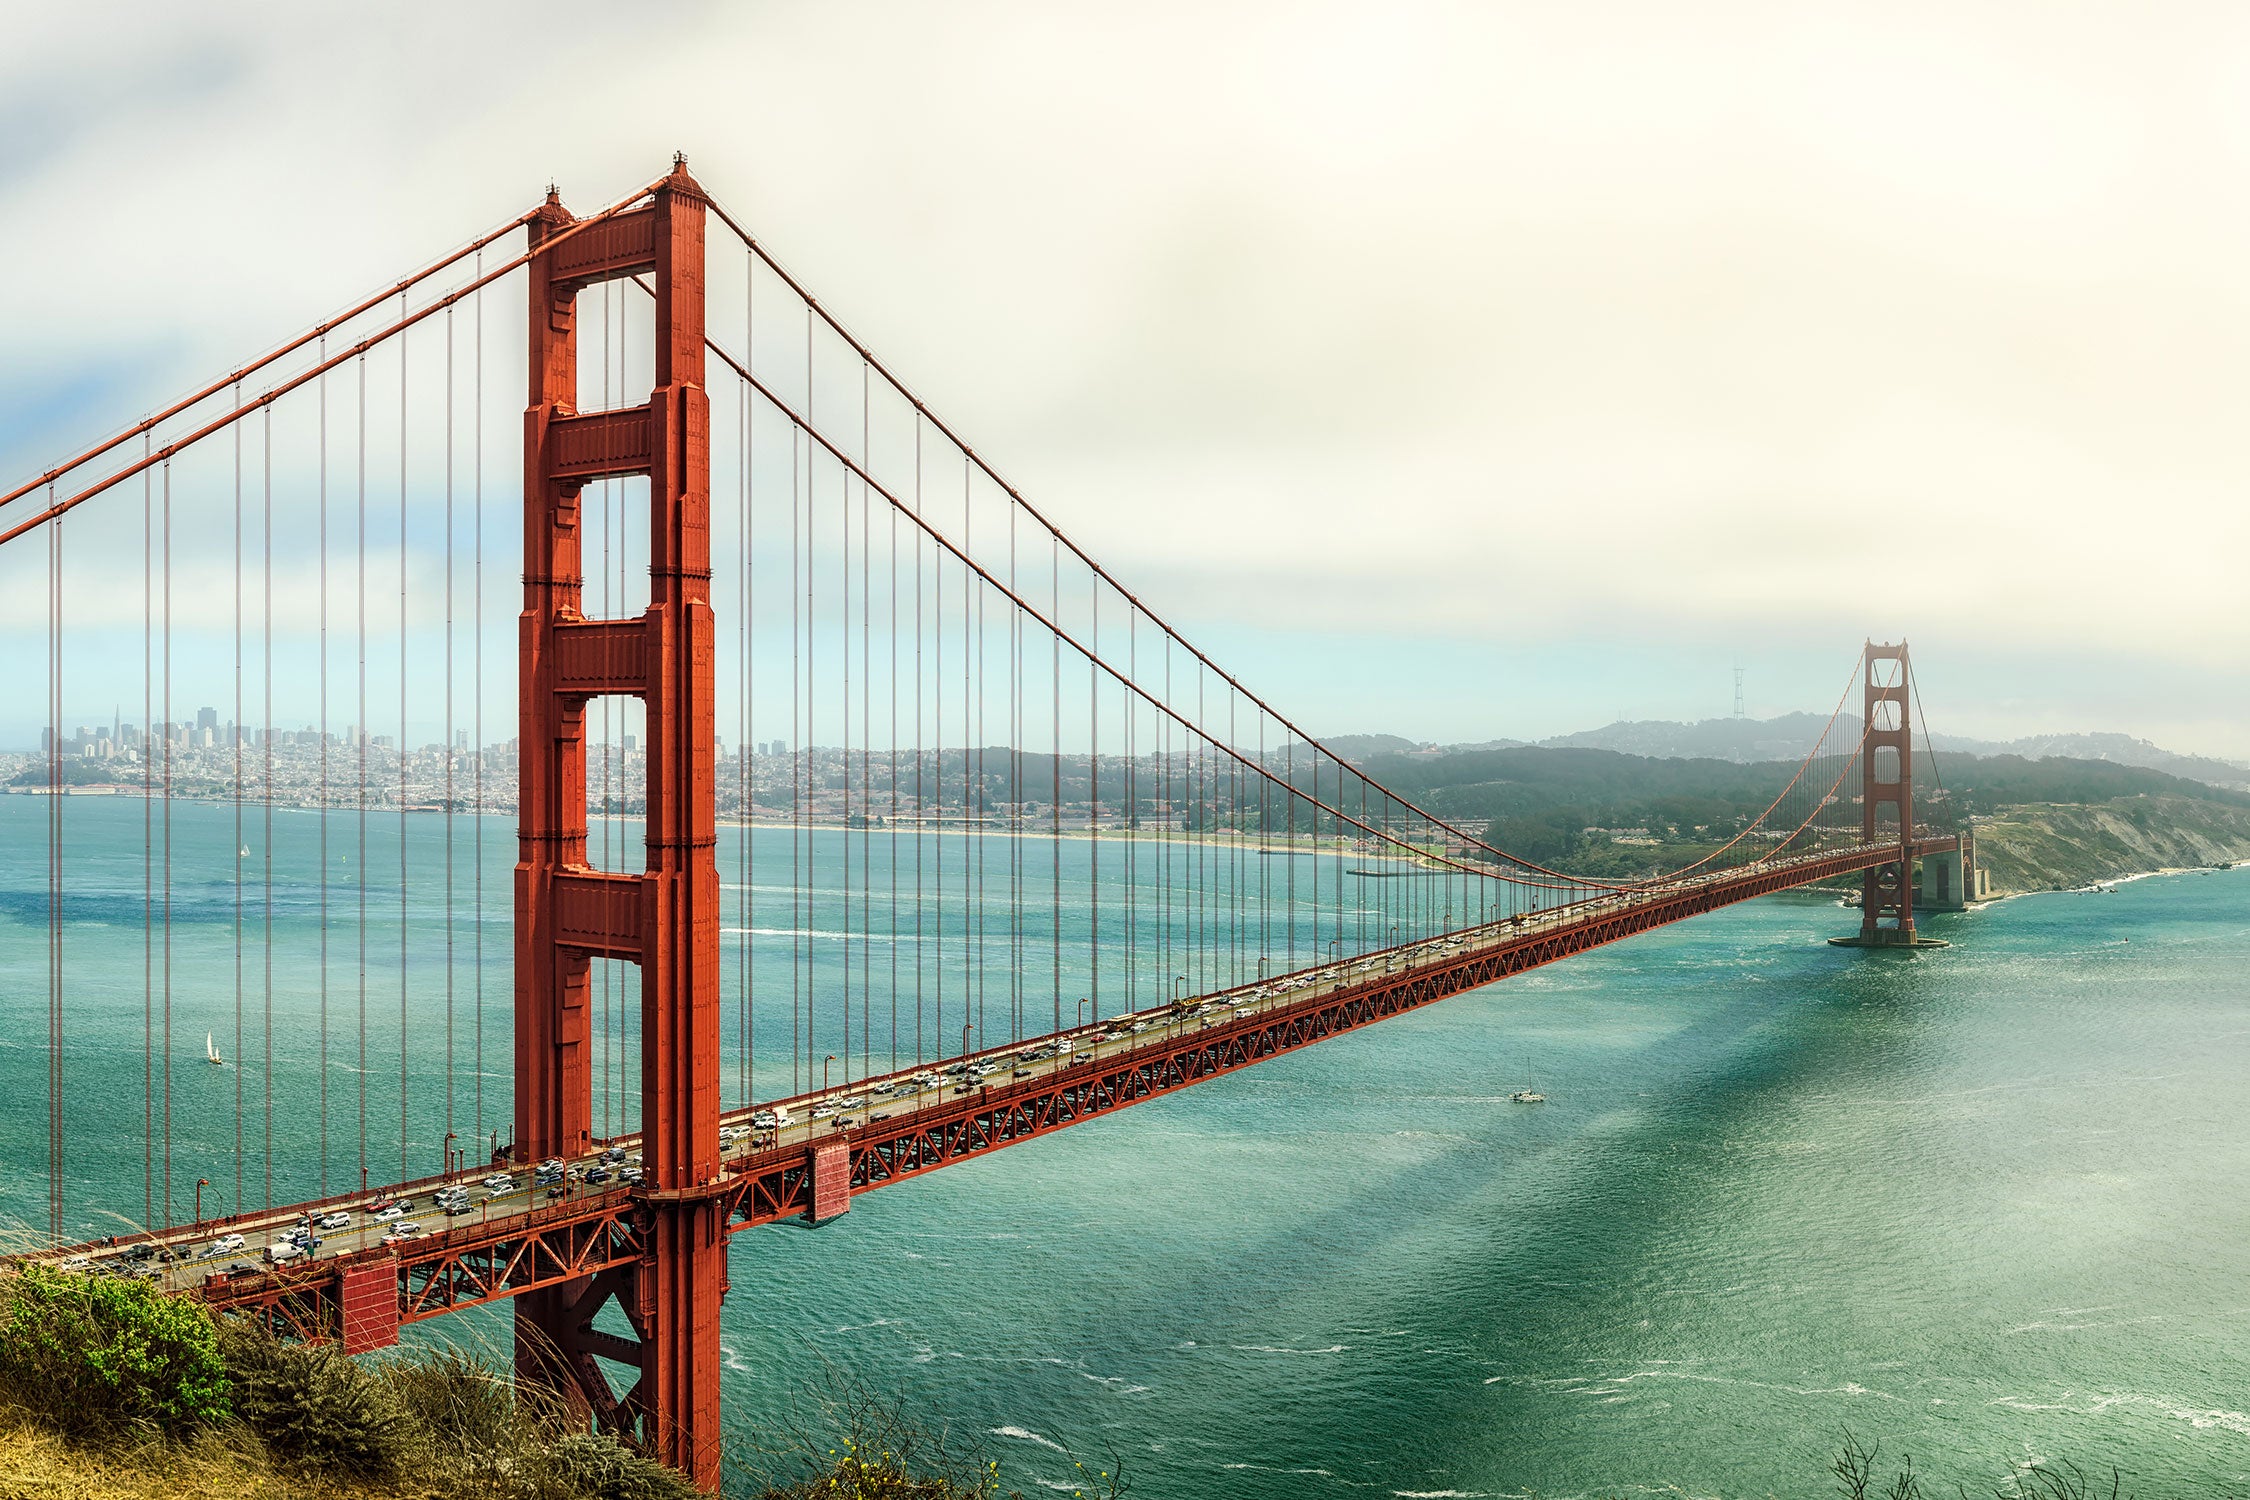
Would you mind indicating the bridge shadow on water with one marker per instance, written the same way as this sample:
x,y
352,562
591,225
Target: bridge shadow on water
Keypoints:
x,y
1560,1230
1324,1277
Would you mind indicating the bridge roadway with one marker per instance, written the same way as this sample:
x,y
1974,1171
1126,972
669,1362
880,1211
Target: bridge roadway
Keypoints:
x,y
874,1131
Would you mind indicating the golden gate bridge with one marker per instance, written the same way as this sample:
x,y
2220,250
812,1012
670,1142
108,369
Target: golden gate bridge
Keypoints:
x,y
1031,855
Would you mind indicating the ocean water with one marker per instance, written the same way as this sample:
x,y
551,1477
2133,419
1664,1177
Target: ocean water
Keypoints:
x,y
1983,1204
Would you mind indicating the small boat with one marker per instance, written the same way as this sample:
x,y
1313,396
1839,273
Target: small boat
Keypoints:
x,y
244,851
1528,1096
211,1051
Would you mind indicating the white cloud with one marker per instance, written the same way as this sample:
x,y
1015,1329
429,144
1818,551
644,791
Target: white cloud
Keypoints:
x,y
1521,324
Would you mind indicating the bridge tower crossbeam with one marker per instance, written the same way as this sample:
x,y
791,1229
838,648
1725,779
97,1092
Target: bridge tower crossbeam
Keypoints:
x,y
665,918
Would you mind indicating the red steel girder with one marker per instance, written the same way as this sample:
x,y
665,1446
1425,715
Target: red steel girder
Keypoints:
x,y
778,1184
563,1252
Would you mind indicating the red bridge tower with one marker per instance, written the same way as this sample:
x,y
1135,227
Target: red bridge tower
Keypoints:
x,y
666,918
1887,787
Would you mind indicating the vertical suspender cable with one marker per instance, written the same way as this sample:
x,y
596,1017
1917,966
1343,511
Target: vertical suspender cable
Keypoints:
x,y
54,875
1094,792
796,762
812,727
148,841
235,733
937,734
1019,733
894,737
166,485
921,804
324,789
476,690
446,1146
976,739
971,992
866,746
1054,810
265,781
403,743
360,737
844,764
937,792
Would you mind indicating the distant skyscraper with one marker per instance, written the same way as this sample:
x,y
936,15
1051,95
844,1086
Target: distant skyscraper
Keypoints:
x,y
207,718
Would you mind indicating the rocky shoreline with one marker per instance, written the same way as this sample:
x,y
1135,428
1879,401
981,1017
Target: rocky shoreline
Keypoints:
x,y
2064,846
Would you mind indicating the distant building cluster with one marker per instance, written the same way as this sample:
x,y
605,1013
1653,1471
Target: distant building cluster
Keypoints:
x,y
993,788
204,757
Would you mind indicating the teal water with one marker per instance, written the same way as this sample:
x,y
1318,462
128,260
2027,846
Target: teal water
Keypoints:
x,y
1984,1204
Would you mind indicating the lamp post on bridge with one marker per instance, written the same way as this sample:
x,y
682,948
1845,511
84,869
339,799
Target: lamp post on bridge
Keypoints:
x,y
824,1062
200,1184
446,1149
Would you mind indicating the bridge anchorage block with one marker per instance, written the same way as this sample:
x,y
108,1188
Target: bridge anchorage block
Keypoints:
x,y
831,1197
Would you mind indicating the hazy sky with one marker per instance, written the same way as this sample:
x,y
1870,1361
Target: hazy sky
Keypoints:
x,y
1457,371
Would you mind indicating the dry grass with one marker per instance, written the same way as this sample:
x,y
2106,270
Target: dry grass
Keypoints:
x,y
37,1465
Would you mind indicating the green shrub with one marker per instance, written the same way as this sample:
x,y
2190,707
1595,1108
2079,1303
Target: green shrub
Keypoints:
x,y
592,1466
316,1407
95,1356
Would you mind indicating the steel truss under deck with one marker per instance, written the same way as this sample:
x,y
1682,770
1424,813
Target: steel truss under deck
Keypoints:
x,y
589,1242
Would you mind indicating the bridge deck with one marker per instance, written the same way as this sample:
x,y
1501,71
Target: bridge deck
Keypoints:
x,y
900,1125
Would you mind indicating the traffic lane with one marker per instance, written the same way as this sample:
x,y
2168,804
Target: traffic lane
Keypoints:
x,y
261,1231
